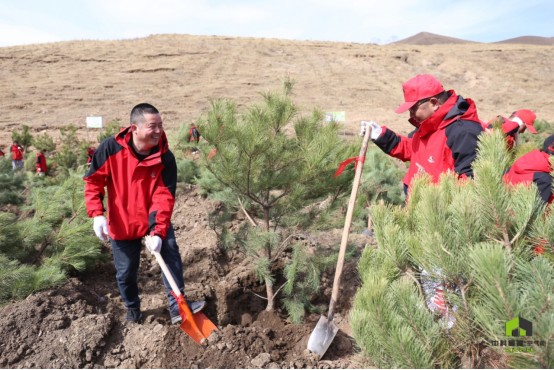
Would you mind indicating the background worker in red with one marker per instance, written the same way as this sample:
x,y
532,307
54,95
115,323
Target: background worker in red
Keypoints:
x,y
41,167
445,138
194,134
516,124
534,167
90,153
140,174
17,156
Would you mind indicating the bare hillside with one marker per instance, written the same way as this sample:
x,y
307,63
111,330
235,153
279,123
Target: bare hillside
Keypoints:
x,y
48,86
427,38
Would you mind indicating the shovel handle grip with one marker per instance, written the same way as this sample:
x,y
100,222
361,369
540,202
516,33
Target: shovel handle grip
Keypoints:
x,y
347,224
167,274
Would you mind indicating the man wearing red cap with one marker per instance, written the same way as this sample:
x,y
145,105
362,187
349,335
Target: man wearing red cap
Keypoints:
x,y
445,138
534,167
516,124
526,119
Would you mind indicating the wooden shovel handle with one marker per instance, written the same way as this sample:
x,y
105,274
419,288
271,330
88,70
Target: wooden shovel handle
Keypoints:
x,y
167,274
348,223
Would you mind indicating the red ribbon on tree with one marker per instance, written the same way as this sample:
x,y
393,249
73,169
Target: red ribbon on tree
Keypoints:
x,y
346,162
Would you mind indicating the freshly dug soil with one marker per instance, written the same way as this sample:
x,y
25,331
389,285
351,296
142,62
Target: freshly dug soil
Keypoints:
x,y
81,324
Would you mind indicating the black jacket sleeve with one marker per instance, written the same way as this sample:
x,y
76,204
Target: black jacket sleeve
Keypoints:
x,y
462,139
543,181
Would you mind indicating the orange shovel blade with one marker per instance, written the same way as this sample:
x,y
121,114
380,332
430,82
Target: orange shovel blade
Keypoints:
x,y
197,326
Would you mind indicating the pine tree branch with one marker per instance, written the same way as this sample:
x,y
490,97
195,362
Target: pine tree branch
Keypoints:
x,y
277,291
256,294
252,222
283,246
409,272
503,297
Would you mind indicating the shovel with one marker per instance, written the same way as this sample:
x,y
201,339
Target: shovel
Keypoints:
x,y
325,329
197,325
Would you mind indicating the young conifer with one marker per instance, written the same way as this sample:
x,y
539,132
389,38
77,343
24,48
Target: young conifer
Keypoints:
x,y
276,163
473,242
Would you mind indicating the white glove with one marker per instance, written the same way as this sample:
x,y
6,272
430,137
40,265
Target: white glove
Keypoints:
x,y
100,227
376,129
153,243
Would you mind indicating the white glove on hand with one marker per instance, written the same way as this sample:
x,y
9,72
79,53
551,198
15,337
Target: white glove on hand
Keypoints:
x,y
376,130
100,227
153,243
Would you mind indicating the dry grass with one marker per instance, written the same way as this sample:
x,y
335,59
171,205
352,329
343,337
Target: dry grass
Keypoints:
x,y
48,86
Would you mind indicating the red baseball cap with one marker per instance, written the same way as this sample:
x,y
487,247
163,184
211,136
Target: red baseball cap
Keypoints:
x,y
526,116
418,88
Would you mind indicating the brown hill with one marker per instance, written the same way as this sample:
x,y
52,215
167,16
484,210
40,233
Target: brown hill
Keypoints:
x,y
529,40
427,38
49,86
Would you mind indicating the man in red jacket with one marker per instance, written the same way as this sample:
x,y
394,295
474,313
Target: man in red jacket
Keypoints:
x,y
41,167
445,138
17,156
534,167
140,174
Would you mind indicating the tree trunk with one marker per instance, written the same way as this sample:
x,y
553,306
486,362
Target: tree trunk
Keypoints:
x,y
269,291
268,282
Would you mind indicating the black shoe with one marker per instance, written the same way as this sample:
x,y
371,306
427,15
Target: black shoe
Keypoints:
x,y
134,315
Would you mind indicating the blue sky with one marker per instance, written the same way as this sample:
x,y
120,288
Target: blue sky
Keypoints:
x,y
362,21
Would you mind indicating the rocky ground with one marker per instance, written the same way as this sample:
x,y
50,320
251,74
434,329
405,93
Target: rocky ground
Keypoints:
x,y
80,324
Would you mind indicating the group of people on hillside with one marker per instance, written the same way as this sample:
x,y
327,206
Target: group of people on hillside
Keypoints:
x,y
41,167
446,134
139,172
17,158
445,139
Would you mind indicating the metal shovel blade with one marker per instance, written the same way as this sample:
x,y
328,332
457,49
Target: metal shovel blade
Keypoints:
x,y
322,336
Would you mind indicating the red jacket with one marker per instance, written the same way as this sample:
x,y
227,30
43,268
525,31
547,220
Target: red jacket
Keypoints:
x,y
446,141
533,167
194,134
141,194
41,162
17,152
90,153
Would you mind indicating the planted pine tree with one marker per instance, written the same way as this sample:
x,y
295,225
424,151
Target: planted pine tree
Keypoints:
x,y
453,268
276,163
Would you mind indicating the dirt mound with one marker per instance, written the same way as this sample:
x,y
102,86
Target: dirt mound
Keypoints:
x,y
80,324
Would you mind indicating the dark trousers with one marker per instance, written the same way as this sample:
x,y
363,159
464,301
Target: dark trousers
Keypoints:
x,y
126,256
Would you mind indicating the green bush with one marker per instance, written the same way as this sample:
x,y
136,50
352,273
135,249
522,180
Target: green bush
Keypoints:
x,y
51,238
44,141
187,171
112,128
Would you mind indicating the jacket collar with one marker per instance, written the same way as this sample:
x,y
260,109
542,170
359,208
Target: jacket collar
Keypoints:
x,y
124,139
455,108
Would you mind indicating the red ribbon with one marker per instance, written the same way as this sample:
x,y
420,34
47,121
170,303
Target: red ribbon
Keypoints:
x,y
346,162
